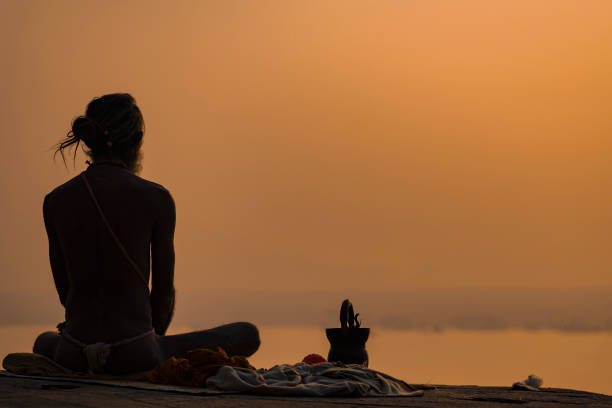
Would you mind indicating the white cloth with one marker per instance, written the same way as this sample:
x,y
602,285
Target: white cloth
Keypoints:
x,y
97,353
316,380
532,383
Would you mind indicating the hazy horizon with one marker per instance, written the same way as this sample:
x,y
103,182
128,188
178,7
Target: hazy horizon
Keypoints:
x,y
588,310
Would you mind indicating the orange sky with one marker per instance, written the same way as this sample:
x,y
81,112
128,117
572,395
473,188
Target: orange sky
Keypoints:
x,y
344,144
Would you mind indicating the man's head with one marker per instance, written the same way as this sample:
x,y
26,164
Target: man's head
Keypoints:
x,y
112,129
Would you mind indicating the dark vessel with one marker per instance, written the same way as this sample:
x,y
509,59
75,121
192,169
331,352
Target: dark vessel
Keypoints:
x,y
348,341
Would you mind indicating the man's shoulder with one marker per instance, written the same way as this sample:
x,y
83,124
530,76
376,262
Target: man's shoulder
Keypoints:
x,y
62,189
152,186
75,185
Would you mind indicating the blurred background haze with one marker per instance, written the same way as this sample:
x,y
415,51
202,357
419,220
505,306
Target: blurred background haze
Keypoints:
x,y
438,161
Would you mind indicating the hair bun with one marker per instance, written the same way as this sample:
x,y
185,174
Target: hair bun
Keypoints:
x,y
86,130
112,127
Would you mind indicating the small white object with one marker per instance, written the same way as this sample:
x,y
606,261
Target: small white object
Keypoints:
x,y
534,381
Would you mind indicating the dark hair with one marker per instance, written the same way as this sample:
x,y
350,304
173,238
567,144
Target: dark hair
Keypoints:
x,y
112,129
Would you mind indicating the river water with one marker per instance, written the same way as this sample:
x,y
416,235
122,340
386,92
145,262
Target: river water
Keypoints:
x,y
581,360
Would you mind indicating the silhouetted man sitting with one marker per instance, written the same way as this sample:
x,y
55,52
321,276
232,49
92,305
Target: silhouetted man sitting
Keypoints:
x,y
105,228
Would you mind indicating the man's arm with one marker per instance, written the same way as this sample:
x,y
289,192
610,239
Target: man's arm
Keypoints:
x,y
162,267
56,257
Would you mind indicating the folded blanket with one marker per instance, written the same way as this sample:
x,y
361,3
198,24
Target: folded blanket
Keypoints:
x,y
315,380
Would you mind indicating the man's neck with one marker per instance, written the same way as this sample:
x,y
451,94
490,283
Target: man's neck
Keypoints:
x,y
105,160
